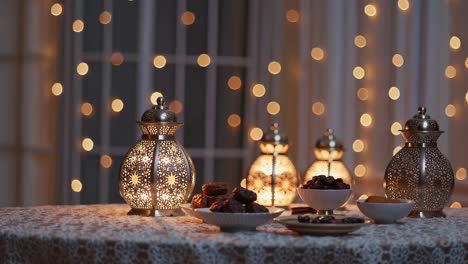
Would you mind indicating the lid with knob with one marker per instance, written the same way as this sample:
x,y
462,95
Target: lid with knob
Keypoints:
x,y
159,113
329,141
274,135
421,122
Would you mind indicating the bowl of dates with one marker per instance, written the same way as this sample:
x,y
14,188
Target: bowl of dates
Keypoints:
x,y
384,210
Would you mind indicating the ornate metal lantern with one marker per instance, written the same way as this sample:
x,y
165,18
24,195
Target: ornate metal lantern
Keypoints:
x,y
157,175
273,175
419,171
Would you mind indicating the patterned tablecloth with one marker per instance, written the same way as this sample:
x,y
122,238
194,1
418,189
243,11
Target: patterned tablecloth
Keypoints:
x,y
104,233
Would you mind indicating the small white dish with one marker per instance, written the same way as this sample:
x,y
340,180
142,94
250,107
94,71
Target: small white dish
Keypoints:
x,y
292,223
386,213
324,200
231,222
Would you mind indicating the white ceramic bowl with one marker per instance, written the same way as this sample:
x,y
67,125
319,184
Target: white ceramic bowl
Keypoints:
x,y
385,213
324,199
231,222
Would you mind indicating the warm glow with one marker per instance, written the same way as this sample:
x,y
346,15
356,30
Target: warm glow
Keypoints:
x,y
320,167
56,9
86,109
87,144
234,120
274,67
456,205
117,105
403,4
396,150
56,89
358,145
317,53
105,17
359,72
450,72
395,128
176,106
450,110
159,61
154,97
273,108
234,82
360,170
76,185
187,18
363,197
466,97
256,133
360,41
292,16
363,94
370,10
455,42
398,60
117,58
258,90
466,62
394,93
366,119
203,60
461,174
318,108
78,25
82,68
106,161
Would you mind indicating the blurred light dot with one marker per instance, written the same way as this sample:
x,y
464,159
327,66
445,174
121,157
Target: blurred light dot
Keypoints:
x,y
86,109
359,72
363,197
394,93
403,4
317,53
360,41
117,105
106,161
154,97
56,9
318,108
450,110
358,145
396,126
450,72
76,185
461,174
159,61
78,25
398,60
117,58
366,119
466,62
292,16
187,18
234,120
455,42
234,82
176,106
273,108
370,10
258,90
82,68
456,205
87,144
274,67
105,17
466,97
360,170
396,150
204,60
56,89
256,133
363,94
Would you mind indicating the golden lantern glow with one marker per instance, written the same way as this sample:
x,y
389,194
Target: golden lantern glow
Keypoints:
x,y
450,110
82,68
398,60
258,90
396,149
394,93
105,17
157,176
292,15
86,109
78,26
455,42
317,54
360,170
370,10
272,176
56,9
360,41
154,97
363,94
159,61
56,89
76,185
363,197
466,97
106,161
466,63
366,119
203,60
256,133
187,18
461,174
450,72
87,144
359,72
234,120
117,105
318,108
273,108
403,4
117,58
358,145
395,128
234,82
274,67
176,106
456,205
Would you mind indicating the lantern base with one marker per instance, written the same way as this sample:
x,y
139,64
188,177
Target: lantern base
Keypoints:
x,y
426,214
168,212
325,212
141,212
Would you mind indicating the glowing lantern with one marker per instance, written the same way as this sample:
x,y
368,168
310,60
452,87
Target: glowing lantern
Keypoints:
x,y
272,175
157,175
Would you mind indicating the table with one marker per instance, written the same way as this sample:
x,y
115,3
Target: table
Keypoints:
x,y
104,233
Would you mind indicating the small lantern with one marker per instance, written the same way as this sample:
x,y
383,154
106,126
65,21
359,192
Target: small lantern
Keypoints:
x,y
328,152
157,175
272,176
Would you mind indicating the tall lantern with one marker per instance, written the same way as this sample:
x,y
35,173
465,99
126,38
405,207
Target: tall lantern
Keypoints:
x,y
328,152
272,176
157,175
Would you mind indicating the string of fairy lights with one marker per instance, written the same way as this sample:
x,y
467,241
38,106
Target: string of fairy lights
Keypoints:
x,y
258,90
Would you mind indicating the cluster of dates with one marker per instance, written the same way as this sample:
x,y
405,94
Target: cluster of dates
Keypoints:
x,y
323,182
329,219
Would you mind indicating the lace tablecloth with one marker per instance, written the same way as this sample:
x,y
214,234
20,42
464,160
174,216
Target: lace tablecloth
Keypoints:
x,y
105,234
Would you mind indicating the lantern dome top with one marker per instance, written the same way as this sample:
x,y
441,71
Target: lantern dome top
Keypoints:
x,y
159,113
329,142
421,122
274,135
